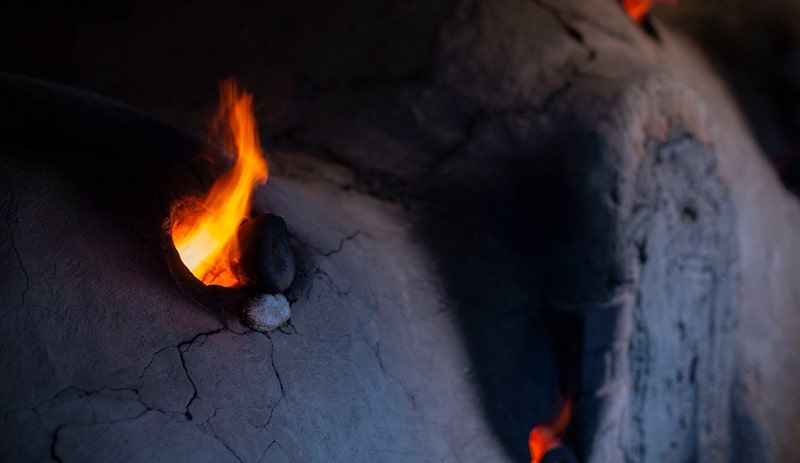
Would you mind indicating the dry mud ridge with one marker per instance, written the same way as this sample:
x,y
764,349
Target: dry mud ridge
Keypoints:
x,y
454,179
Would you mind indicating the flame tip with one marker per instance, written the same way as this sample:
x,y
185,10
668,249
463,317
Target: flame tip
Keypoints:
x,y
206,236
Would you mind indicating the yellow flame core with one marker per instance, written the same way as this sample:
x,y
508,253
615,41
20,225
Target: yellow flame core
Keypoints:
x,y
205,236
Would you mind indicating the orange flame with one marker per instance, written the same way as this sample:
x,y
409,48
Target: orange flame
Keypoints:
x,y
543,437
637,9
205,234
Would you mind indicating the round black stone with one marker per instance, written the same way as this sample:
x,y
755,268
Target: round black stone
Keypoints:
x,y
559,454
267,261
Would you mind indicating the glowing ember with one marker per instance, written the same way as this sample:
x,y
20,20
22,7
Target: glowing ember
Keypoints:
x,y
204,231
637,9
543,437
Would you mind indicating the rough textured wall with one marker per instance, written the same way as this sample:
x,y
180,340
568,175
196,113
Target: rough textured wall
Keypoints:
x,y
454,179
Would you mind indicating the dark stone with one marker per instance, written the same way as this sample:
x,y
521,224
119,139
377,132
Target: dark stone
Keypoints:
x,y
267,259
559,454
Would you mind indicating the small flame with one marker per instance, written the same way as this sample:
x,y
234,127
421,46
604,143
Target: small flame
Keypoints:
x,y
205,233
543,437
637,9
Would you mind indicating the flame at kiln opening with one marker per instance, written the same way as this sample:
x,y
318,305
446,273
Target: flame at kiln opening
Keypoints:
x,y
205,231
637,9
544,437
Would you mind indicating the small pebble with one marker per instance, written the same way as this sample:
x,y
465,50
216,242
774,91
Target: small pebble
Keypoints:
x,y
266,312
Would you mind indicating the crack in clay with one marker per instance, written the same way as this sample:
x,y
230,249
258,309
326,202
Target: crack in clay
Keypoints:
x,y
558,92
332,284
576,36
329,280
53,442
222,441
187,413
484,118
581,18
639,351
274,368
377,184
344,240
54,439
228,448
21,265
280,383
566,86
59,399
288,328
182,349
216,409
188,343
82,394
467,135
88,393
261,458
319,272
271,411
152,358
377,350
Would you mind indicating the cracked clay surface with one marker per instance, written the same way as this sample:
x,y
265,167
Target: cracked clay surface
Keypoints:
x,y
455,170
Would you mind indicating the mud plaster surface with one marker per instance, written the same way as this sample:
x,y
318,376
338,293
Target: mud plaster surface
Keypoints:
x,y
535,160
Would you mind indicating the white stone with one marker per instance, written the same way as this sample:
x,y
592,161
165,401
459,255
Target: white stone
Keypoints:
x,y
266,312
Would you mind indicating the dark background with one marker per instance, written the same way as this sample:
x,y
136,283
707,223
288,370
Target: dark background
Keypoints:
x,y
167,57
